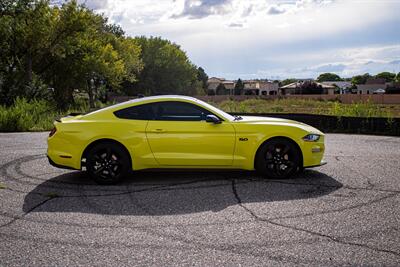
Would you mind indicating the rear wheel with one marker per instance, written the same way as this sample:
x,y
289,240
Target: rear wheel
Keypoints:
x,y
278,158
107,163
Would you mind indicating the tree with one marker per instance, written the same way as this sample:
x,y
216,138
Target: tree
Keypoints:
x,y
24,29
398,77
360,79
239,86
310,88
64,48
288,81
220,90
210,92
388,76
325,77
167,69
202,77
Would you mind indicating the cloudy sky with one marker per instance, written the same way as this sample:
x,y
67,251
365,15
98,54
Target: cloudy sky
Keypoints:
x,y
270,38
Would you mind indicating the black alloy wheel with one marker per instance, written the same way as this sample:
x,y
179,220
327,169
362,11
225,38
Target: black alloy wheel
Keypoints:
x,y
107,163
278,159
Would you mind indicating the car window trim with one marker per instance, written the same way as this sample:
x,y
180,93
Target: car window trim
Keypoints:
x,y
155,118
189,103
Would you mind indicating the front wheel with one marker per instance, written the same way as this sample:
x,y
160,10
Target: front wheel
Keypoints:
x,y
278,159
107,163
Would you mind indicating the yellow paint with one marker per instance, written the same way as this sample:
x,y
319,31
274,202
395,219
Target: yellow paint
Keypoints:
x,y
178,144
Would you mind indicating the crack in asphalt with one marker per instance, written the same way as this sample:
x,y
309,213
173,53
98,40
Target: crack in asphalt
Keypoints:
x,y
370,185
14,219
174,186
234,182
329,237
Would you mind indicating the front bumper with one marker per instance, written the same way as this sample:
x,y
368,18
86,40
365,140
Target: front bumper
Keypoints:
x,y
313,153
323,162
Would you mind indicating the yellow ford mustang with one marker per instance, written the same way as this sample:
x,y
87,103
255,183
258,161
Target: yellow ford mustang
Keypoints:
x,y
180,132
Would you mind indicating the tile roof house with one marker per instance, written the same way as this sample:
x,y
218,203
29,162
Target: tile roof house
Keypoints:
x,y
260,87
344,87
300,87
373,86
213,83
251,87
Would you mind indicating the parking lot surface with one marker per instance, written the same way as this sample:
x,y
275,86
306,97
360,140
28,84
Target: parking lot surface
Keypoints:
x,y
344,213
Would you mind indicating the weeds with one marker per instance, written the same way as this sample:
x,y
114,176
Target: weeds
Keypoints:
x,y
39,115
309,106
36,115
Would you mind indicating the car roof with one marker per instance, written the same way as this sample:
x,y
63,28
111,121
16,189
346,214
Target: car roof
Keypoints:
x,y
148,99
154,99
160,97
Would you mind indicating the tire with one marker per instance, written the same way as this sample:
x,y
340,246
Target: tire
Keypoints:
x,y
107,163
278,158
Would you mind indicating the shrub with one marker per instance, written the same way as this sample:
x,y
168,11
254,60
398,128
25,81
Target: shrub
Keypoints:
x,y
25,116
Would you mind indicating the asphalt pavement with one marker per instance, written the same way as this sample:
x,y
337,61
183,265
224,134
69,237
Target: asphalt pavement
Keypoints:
x,y
344,213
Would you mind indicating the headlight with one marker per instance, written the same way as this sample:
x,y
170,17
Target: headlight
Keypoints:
x,y
311,137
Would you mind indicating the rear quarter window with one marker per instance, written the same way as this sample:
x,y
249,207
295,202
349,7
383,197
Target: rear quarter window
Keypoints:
x,y
141,112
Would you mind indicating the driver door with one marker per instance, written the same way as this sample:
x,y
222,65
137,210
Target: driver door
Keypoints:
x,y
180,136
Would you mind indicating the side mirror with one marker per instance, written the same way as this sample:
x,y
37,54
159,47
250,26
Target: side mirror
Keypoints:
x,y
213,119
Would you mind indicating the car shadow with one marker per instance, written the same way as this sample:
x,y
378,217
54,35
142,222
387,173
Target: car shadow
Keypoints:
x,y
173,192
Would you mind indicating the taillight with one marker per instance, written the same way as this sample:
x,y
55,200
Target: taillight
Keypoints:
x,y
53,131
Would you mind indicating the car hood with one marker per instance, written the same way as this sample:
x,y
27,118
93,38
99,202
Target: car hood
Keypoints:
x,y
271,120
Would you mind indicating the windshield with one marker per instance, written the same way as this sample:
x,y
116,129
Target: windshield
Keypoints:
x,y
216,110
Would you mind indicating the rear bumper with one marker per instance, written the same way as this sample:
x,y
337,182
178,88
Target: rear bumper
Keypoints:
x,y
52,163
63,153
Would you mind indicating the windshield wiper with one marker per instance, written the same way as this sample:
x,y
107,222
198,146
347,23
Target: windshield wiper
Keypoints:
x,y
237,118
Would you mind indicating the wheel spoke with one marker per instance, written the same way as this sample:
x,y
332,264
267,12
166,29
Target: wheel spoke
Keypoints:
x,y
112,173
285,150
99,169
288,163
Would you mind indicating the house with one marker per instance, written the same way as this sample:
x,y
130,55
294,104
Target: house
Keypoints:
x,y
307,87
213,83
344,87
373,86
260,87
251,87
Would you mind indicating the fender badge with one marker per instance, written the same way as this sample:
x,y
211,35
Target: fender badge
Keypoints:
x,y
243,139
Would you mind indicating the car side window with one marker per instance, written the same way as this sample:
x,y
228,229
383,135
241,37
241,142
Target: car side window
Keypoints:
x,y
180,111
140,112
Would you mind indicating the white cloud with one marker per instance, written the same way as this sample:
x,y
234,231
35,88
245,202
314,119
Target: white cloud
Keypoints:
x,y
95,4
238,36
344,62
275,10
203,8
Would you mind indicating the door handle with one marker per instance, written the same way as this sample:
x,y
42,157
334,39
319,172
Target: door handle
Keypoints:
x,y
158,131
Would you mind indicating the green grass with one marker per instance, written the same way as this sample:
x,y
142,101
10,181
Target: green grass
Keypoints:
x,y
309,106
36,115
39,115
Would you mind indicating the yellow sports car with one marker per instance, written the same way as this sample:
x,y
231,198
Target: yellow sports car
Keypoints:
x,y
180,132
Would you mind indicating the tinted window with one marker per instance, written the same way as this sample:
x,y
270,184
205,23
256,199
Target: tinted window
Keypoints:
x,y
141,112
180,111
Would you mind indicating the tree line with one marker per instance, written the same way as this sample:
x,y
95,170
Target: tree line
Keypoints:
x,y
358,79
49,52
